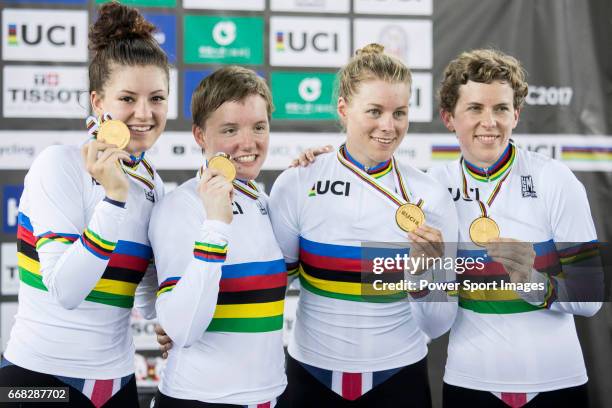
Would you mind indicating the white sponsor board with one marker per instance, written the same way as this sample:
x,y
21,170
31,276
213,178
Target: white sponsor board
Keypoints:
x,y
173,97
311,6
225,4
421,98
44,35
8,310
395,7
178,150
309,41
19,148
45,92
409,40
9,280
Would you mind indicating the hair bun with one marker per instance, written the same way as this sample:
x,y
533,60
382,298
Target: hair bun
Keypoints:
x,y
371,49
117,22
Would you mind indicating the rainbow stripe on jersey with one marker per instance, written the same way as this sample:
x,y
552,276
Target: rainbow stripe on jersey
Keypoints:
x,y
549,260
127,263
345,272
251,297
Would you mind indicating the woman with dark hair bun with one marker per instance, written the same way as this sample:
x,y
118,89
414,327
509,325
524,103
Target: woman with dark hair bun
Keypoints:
x,y
82,236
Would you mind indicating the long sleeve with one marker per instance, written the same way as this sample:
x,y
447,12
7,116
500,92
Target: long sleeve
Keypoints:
x,y
73,253
284,218
189,253
146,291
435,311
581,277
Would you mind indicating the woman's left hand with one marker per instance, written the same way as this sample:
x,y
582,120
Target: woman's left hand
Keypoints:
x,y
427,242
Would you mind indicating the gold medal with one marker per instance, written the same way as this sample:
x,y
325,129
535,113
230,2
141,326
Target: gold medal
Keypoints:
x,y
222,162
409,217
114,132
482,230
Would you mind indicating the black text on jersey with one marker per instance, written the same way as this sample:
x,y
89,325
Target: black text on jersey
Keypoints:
x,y
527,187
341,188
237,208
456,194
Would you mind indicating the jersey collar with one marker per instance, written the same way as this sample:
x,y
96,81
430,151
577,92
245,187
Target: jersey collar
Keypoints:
x,y
497,170
376,171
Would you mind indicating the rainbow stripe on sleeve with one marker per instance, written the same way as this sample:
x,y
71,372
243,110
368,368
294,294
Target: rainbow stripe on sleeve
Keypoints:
x,y
98,246
578,253
49,237
251,297
549,261
117,286
210,252
339,272
293,269
168,284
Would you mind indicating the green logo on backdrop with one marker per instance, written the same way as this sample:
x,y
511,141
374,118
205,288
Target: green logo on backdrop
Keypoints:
x,y
224,40
144,3
303,95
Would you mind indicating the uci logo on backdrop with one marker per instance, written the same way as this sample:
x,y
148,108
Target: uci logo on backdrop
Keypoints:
x,y
44,35
309,41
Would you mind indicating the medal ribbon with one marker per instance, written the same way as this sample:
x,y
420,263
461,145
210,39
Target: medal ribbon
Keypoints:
x,y
368,179
495,192
136,176
248,188
93,123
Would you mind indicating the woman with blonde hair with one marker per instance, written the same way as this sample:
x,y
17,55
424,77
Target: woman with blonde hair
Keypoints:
x,y
353,345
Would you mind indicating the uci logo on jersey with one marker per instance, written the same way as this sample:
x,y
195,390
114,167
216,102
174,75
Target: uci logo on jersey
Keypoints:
x,y
456,193
341,188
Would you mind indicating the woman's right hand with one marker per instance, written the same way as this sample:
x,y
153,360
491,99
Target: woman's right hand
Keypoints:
x,y
102,163
164,341
216,193
308,156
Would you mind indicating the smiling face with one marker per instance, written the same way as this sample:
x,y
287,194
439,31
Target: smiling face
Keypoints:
x,y
240,129
137,96
483,120
376,120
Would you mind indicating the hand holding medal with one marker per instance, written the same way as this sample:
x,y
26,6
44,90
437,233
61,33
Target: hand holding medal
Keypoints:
x,y
427,243
102,160
216,189
517,257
